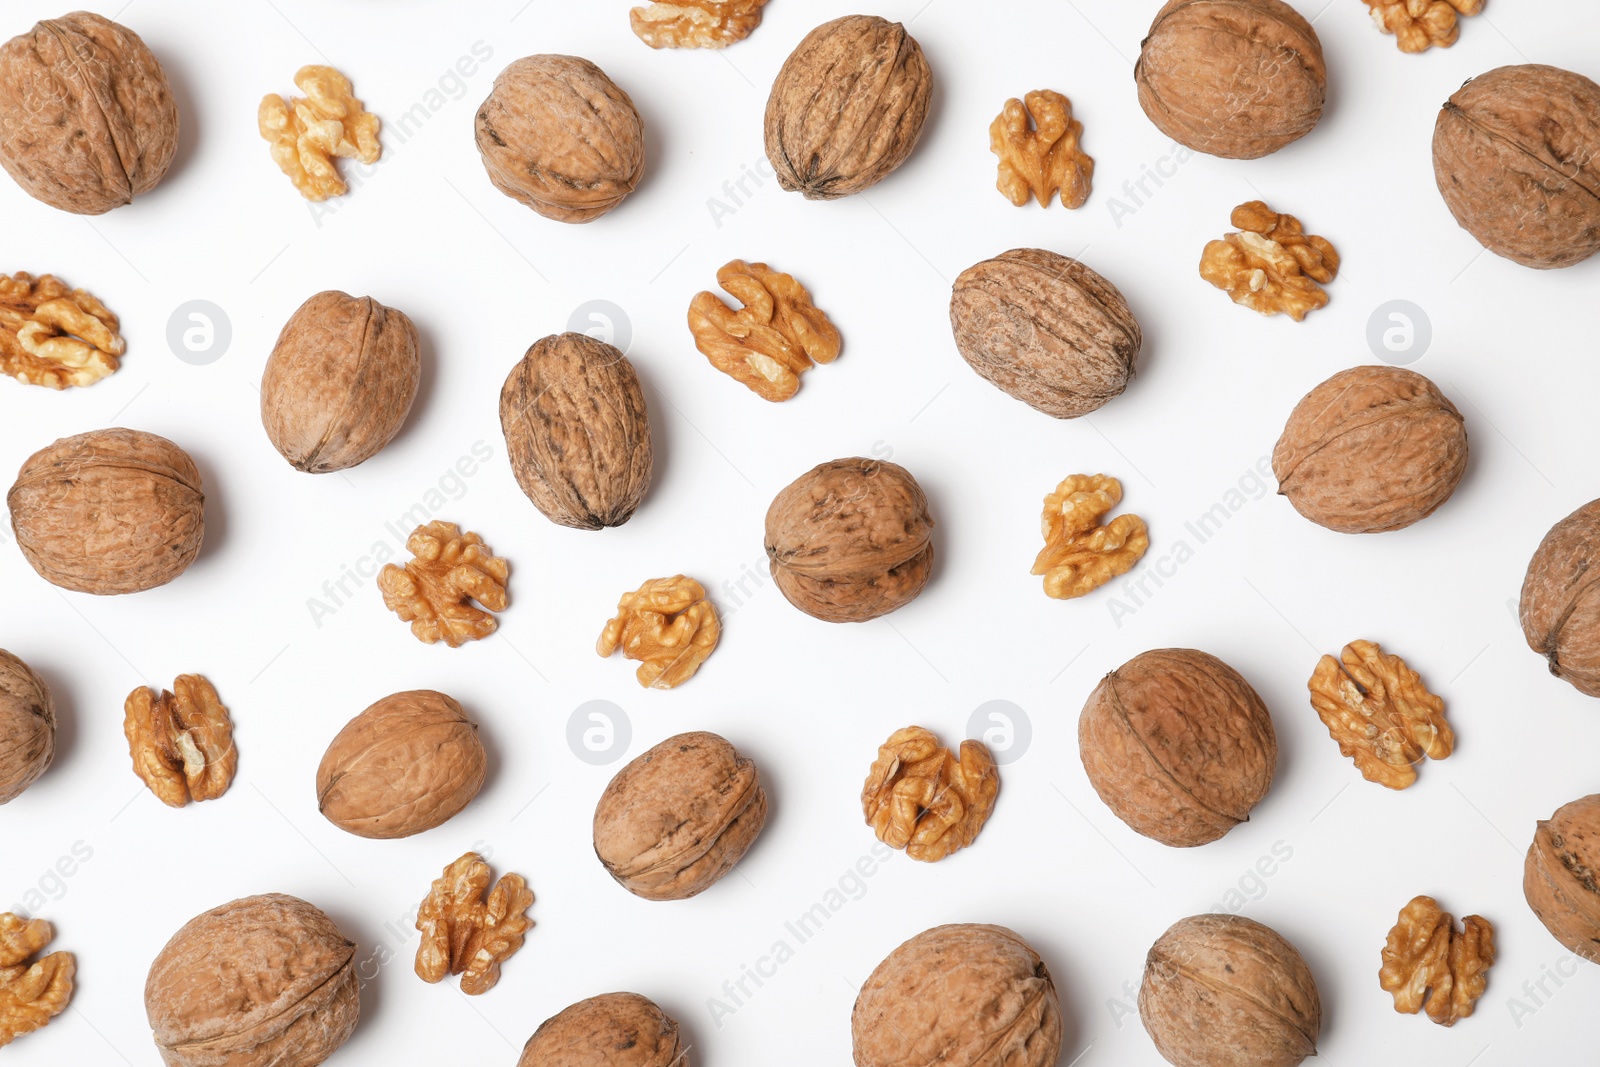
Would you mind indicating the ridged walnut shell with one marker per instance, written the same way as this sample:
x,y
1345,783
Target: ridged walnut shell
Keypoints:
x,y
678,818
1559,876
1238,79
577,431
27,727
847,107
1046,330
1223,989
408,763
87,119
108,511
1516,153
611,1030
1371,449
1178,745
559,136
850,540
1561,599
964,995
340,382
266,981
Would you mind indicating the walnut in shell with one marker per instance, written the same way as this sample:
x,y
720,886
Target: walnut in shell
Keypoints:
x,y
847,107
611,1030
108,511
407,764
27,727
966,995
266,981
1178,745
1559,877
1560,607
678,818
87,119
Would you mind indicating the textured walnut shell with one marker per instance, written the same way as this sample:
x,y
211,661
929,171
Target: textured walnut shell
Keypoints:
x,y
611,1030
1178,745
340,382
87,119
1045,329
108,511
27,727
847,107
1232,78
678,818
1223,989
1516,153
559,136
965,995
850,540
1559,876
266,981
1371,449
1561,599
577,431
407,764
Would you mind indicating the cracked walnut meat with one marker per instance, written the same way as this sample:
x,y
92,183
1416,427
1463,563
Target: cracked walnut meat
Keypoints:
x,y
1271,265
1079,554
1419,25
54,336
668,625
181,741
31,994
696,23
1428,961
921,798
1041,158
308,134
1381,714
469,929
435,590
776,336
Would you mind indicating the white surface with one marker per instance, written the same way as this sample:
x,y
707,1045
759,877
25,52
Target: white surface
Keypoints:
x,y
484,277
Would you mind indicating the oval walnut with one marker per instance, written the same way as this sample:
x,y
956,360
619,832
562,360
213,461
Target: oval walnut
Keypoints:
x,y
1558,876
1560,607
611,1030
27,727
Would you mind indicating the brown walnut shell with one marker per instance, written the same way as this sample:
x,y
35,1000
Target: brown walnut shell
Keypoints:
x,y
611,1030
1178,745
408,763
1046,330
1560,874
108,511
558,135
266,981
577,431
1560,608
1238,79
964,995
1516,153
1371,449
340,382
1223,989
27,727
87,119
678,818
847,107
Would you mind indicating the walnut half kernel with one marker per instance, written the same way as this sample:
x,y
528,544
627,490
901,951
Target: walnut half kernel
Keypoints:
x,y
696,23
469,929
775,336
668,625
921,798
435,590
1271,265
308,134
181,741
1381,714
1079,554
1428,961
54,336
31,994
1419,25
1043,158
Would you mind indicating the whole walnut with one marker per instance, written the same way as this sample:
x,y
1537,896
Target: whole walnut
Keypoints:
x,y
1516,153
1045,329
561,137
964,995
850,540
577,431
87,119
108,511
340,382
847,107
27,727
1178,745
266,981
1233,78
1371,449
611,1030
678,818
1560,607
1223,989
408,763
1558,877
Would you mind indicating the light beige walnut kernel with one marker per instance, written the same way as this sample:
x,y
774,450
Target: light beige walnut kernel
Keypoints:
x,y
1381,714
1079,554
31,994
181,741
435,591
1043,158
668,625
1428,961
1271,265
1419,25
308,134
54,336
920,797
769,342
696,23
469,929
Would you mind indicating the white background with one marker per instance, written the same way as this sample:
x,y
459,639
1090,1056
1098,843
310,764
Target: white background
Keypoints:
x,y
484,277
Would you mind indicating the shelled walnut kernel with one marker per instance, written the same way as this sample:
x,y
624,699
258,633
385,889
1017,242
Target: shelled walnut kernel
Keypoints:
x,y
668,625
30,994
696,23
1041,158
469,929
1426,959
1271,265
54,336
1079,554
181,741
775,336
1381,714
308,134
1419,25
434,591
920,797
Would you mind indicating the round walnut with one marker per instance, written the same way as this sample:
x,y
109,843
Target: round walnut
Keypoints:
x,y
408,763
577,431
87,119
678,818
1233,78
1045,329
1516,153
850,540
108,511
27,727
1558,876
266,981
1371,449
965,995
1561,602
340,382
1178,746
559,136
847,107
1223,989
611,1030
